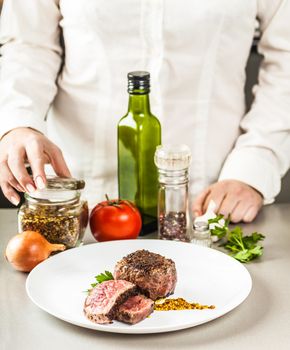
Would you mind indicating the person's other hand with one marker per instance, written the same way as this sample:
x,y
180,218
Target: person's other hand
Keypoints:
x,y
235,198
21,146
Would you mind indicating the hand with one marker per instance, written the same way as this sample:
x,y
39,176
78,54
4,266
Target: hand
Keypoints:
x,y
235,198
22,145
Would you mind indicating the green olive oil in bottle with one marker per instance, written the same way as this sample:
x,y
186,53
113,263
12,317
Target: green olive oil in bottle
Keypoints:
x,y
139,133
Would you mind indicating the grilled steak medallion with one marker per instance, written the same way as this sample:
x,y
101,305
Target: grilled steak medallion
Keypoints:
x,y
135,309
152,273
103,300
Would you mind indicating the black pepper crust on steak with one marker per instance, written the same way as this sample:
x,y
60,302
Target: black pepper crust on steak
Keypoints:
x,y
154,274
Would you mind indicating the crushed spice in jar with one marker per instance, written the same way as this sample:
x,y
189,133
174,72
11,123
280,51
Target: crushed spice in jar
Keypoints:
x,y
64,223
178,304
173,226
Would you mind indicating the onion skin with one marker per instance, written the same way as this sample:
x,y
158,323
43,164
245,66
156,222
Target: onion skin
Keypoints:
x,y
27,249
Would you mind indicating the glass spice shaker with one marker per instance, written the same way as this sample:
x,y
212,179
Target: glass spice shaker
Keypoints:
x,y
57,211
173,219
201,234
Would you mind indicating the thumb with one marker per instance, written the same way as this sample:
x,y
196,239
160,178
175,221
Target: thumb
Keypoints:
x,y
199,201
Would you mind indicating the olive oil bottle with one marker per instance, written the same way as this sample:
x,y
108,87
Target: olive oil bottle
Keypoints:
x,y
139,133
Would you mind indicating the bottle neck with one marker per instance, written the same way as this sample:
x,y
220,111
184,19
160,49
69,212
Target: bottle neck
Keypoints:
x,y
139,104
177,177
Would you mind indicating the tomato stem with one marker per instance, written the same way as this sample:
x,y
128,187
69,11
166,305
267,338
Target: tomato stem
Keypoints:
x,y
114,203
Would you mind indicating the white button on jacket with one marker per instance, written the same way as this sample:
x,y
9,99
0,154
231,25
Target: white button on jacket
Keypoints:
x,y
196,52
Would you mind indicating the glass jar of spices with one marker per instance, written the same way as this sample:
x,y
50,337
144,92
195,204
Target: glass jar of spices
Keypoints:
x,y
173,219
57,211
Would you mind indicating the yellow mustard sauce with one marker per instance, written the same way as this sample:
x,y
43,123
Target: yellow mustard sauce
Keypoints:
x,y
178,304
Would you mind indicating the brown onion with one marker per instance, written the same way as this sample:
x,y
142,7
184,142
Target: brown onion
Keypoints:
x,y
27,249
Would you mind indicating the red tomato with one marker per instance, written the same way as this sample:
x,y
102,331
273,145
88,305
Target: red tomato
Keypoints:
x,y
115,219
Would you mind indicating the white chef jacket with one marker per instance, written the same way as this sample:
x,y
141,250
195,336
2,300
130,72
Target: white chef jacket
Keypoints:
x,y
196,52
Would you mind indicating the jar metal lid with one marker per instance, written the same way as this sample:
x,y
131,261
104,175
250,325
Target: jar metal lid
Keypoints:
x,y
64,183
59,189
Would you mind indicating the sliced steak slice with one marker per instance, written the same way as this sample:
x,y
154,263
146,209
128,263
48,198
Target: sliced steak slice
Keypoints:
x,y
154,274
103,300
135,309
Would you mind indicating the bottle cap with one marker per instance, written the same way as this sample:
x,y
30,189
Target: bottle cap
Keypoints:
x,y
172,157
138,82
201,226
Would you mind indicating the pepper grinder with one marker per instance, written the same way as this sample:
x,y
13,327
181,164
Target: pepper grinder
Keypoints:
x,y
173,162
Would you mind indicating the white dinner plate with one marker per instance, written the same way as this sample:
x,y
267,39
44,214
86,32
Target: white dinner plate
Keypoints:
x,y
204,275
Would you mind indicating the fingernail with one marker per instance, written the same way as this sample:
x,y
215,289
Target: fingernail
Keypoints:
x,y
39,182
196,213
14,200
30,188
19,188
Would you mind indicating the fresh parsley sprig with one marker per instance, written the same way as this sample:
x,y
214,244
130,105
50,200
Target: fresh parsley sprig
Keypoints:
x,y
218,229
242,248
102,277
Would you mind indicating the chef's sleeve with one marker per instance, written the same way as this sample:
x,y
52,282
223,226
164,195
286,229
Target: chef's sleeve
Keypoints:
x,y
30,62
261,155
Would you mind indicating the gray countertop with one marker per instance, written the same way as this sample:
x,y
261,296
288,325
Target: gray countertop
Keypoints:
x,y
261,322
